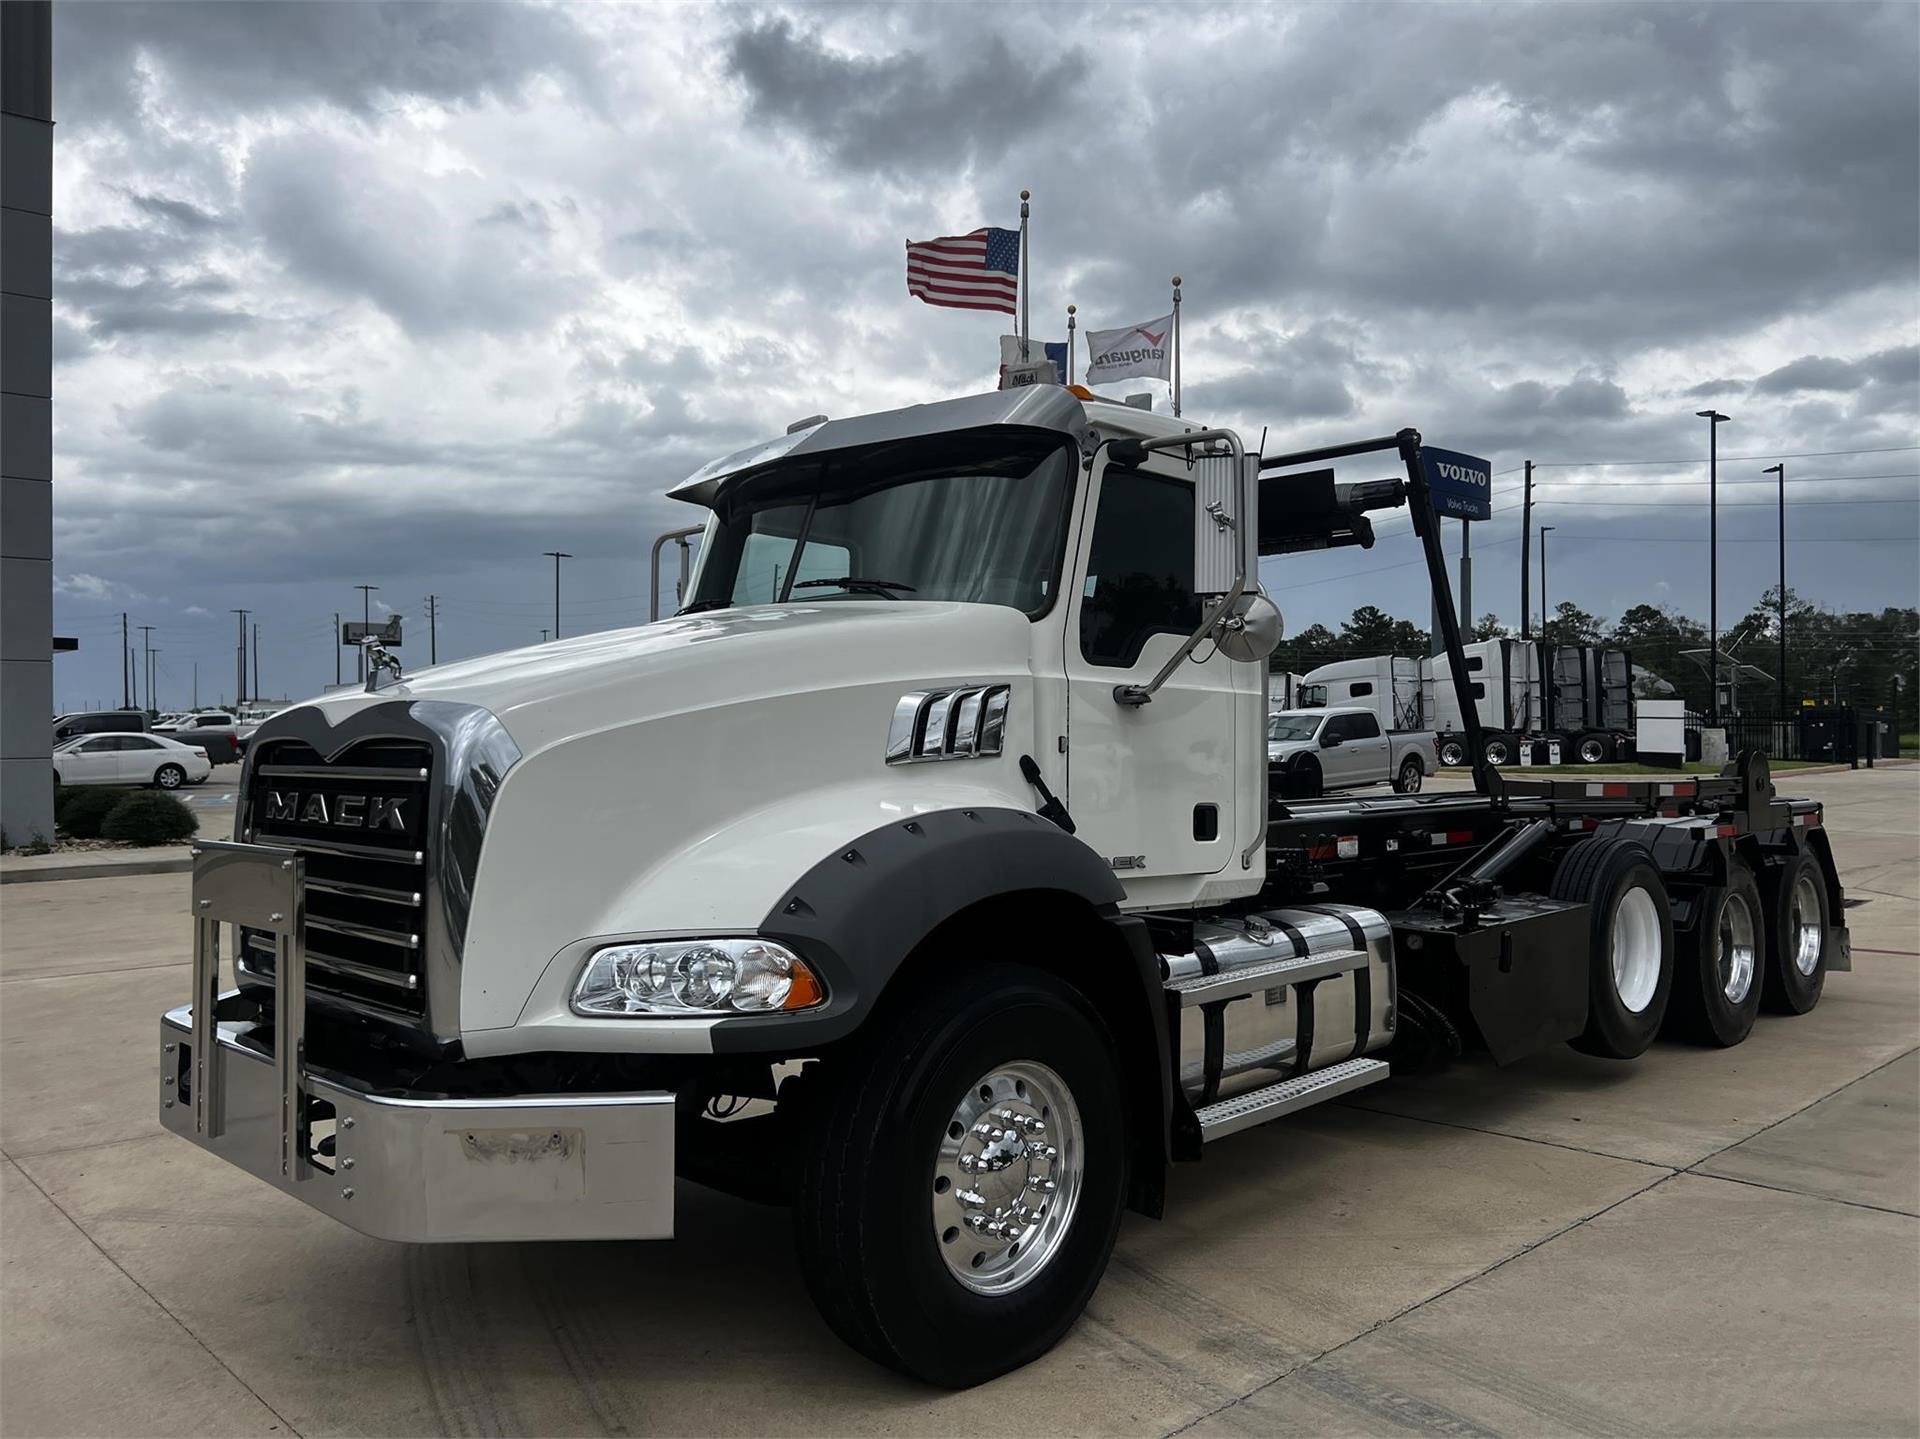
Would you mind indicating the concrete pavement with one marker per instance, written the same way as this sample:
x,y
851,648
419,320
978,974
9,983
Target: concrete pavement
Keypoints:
x,y
1700,1242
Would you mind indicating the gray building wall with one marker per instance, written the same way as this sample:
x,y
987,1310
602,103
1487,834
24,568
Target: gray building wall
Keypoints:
x,y
26,419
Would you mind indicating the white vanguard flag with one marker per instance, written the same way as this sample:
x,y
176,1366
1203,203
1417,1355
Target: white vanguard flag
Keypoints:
x,y
1135,351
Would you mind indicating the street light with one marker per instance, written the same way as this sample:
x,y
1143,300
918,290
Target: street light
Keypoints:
x,y
1545,530
556,556
1781,471
1714,421
366,622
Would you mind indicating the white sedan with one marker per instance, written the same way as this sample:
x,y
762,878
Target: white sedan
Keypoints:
x,y
131,759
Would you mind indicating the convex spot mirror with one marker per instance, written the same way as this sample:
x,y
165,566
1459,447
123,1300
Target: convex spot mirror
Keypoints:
x,y
1253,630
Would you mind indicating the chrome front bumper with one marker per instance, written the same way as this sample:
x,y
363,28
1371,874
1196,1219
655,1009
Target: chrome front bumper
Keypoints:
x,y
423,1169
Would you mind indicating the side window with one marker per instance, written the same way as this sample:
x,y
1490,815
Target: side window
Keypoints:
x,y
1362,689
1362,727
1479,690
1338,727
1476,662
1140,569
136,742
764,559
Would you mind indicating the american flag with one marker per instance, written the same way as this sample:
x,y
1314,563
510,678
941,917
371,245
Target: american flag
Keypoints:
x,y
978,271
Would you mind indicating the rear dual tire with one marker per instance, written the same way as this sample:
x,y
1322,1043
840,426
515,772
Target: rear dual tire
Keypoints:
x,y
1718,984
1795,894
1630,943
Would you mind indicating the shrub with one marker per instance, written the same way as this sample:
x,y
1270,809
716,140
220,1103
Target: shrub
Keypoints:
x,y
81,809
149,818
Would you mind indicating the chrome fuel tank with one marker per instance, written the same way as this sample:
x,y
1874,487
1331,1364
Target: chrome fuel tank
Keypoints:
x,y
1231,1045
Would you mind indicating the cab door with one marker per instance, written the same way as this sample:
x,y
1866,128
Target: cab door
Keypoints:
x,y
1152,788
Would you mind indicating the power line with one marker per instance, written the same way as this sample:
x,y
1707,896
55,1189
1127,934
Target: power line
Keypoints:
x,y
1695,459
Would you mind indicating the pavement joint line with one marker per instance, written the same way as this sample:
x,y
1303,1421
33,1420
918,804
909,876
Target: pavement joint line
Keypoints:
x,y
1419,1304
17,1154
1668,1173
1504,1134
89,973
1803,1194
152,1298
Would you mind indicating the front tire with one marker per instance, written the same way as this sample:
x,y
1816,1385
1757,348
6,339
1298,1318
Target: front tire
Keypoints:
x,y
1412,775
1306,781
1718,978
1500,750
1796,969
169,776
1629,946
1453,753
945,1254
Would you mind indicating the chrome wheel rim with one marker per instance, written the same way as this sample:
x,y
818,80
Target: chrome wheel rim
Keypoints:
x,y
169,779
1496,753
1591,752
1451,754
1736,947
1410,778
1808,932
1636,950
1007,1178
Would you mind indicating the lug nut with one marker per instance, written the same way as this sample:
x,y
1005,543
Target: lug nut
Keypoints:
x,y
972,1198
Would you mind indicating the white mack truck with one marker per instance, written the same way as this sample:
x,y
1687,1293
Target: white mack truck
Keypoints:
x,y
921,875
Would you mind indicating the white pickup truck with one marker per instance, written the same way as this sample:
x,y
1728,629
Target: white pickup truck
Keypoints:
x,y
1313,751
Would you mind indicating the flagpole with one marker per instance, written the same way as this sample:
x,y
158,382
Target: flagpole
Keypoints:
x,y
1026,284
1176,347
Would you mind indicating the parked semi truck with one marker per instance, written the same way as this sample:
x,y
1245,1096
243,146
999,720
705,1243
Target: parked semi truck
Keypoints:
x,y
1528,696
921,875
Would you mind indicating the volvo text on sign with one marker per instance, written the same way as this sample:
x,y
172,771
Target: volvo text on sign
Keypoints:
x,y
1462,485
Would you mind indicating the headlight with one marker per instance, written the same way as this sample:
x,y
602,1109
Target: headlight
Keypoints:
x,y
695,977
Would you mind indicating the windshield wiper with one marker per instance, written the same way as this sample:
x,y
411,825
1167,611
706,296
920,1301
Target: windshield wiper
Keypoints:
x,y
858,584
698,605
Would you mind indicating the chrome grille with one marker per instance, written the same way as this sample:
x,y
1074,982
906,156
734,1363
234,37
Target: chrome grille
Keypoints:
x,y
361,823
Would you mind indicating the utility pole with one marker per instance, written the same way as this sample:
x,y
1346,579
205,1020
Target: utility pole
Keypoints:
x,y
1545,530
366,618
1466,573
1781,470
556,556
336,647
196,684
256,663
433,636
240,663
126,665
1714,421
152,655
1526,550
146,649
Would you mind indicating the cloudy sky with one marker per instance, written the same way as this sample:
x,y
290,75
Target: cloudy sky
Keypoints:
x,y
407,295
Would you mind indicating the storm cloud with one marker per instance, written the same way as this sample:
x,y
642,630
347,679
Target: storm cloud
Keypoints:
x,y
406,294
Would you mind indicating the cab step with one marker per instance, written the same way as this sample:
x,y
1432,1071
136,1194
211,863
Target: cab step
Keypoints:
x,y
1269,974
1243,1111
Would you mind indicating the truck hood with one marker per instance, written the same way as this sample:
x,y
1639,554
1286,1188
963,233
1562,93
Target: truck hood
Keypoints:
x,y
565,688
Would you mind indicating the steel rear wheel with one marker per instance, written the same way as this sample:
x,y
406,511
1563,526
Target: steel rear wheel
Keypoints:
x,y
1592,749
1717,980
1412,776
1453,753
961,1180
1500,750
1797,931
1630,943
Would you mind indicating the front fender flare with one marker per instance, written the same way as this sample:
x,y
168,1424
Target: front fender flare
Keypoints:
x,y
859,912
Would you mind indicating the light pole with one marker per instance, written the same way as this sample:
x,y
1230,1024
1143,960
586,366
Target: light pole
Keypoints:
x,y
366,620
1781,471
556,556
146,649
1714,421
240,658
1545,530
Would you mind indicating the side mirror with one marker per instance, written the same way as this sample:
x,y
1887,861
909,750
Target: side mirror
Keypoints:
x,y
1254,629
1329,741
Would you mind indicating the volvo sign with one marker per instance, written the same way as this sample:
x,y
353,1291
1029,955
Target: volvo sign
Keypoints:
x,y
1461,485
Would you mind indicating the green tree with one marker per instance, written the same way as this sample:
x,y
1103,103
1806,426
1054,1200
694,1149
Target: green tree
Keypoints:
x,y
1571,625
1487,627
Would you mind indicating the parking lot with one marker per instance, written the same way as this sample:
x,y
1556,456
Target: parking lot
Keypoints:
x,y
1700,1242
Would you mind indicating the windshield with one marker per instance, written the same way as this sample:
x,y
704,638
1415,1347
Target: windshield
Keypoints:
x,y
1291,727
978,517
1312,696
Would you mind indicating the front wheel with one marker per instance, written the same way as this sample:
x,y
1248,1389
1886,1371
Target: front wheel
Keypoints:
x,y
1452,753
961,1187
170,776
1500,750
1412,775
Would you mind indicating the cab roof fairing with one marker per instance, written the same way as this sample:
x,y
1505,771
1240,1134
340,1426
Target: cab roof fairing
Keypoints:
x,y
1032,407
